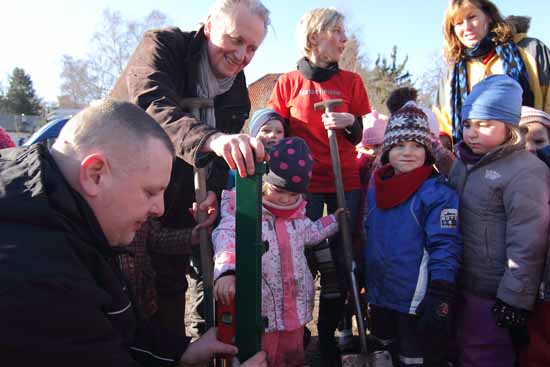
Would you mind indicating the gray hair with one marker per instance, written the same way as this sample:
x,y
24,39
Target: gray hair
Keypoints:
x,y
228,6
112,126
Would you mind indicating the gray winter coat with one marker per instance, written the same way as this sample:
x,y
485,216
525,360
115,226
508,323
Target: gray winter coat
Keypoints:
x,y
504,216
545,286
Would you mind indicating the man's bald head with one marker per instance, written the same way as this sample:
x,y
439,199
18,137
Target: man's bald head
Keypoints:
x,y
119,159
115,127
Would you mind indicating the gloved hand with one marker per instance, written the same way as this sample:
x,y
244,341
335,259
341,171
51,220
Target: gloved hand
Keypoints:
x,y
436,308
509,316
515,319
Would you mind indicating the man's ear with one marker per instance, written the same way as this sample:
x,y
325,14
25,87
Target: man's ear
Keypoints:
x,y
94,170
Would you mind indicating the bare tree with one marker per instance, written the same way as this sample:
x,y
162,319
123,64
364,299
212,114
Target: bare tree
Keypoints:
x,y
429,82
155,19
111,45
352,59
79,86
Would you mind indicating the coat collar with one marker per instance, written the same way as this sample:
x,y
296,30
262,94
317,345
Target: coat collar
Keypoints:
x,y
39,193
294,211
196,44
497,153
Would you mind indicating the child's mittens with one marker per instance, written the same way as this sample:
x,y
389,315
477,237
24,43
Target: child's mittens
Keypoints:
x,y
509,316
435,310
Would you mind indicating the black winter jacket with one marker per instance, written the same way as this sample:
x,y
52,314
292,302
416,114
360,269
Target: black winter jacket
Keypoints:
x,y
63,299
162,71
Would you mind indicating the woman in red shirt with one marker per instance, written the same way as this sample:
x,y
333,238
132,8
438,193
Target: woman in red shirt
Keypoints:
x,y
318,78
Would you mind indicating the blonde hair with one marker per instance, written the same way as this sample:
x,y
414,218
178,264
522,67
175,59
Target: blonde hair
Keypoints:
x,y
515,137
317,20
452,47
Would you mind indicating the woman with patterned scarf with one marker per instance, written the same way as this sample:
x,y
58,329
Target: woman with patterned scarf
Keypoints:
x,y
478,42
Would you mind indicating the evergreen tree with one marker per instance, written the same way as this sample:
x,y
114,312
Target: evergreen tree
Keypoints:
x,y
381,78
392,72
21,97
387,76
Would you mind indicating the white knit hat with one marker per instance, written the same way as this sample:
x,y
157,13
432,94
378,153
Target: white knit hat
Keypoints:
x,y
529,114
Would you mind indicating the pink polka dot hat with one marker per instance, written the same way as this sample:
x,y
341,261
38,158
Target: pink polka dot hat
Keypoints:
x,y
290,165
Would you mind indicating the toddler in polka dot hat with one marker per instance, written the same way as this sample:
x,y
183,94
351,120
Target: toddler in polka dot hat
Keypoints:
x,y
287,283
290,165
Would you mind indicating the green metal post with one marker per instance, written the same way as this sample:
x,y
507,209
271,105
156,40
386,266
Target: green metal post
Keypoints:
x,y
248,268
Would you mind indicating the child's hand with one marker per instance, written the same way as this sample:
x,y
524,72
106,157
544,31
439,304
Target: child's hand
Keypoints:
x,y
210,206
224,289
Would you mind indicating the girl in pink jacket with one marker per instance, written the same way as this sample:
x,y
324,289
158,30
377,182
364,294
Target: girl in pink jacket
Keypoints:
x,y
287,285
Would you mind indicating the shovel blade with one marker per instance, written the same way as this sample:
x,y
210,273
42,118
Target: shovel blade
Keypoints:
x,y
375,359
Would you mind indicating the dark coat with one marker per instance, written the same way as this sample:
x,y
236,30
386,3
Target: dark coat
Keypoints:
x,y
162,71
63,299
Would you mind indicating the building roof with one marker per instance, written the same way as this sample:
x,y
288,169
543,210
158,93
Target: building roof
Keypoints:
x,y
62,113
12,123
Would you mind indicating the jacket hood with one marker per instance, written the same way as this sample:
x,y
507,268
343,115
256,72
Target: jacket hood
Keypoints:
x,y
35,192
521,23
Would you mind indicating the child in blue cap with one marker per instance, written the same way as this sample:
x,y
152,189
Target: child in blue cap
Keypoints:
x,y
504,217
269,128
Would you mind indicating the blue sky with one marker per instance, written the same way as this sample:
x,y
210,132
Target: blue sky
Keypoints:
x,y
34,34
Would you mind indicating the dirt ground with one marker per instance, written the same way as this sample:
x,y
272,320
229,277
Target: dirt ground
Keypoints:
x,y
313,358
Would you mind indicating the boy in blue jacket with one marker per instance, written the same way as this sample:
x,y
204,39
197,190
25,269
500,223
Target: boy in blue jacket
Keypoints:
x,y
413,245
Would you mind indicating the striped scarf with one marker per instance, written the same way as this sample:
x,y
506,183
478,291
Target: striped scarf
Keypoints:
x,y
512,65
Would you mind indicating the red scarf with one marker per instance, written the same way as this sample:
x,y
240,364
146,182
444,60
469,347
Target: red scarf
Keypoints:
x,y
281,211
489,56
392,190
